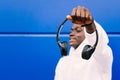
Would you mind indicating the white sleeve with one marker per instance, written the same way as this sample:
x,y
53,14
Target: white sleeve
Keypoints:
x,y
103,53
58,71
61,68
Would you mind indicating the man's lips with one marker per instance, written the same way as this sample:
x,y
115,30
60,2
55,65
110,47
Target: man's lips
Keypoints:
x,y
72,40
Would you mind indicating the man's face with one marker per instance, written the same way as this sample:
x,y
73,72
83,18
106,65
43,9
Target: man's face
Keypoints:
x,y
77,35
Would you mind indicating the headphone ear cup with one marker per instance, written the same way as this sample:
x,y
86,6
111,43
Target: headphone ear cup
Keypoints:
x,y
63,48
87,52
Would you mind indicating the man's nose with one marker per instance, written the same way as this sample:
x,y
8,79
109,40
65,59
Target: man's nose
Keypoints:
x,y
72,33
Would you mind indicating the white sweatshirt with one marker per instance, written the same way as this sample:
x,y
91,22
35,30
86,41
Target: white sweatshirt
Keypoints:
x,y
98,67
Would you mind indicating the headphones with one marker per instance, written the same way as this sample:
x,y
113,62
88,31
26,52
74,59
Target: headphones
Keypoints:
x,y
87,50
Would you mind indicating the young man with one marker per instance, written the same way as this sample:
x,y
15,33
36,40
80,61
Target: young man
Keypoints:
x,y
73,66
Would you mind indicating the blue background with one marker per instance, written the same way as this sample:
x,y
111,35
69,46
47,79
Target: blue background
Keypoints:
x,y
28,48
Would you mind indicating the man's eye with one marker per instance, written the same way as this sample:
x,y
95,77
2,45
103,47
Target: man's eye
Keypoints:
x,y
78,30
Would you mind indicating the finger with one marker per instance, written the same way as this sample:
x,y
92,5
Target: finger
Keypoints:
x,y
90,18
78,14
83,14
73,14
69,17
78,11
74,11
87,14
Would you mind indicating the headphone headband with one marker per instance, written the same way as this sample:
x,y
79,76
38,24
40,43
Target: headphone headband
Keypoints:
x,y
58,32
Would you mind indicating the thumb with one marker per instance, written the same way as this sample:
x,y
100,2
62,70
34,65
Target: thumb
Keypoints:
x,y
69,17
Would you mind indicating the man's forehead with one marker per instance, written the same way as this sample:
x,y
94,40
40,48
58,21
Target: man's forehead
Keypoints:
x,y
77,26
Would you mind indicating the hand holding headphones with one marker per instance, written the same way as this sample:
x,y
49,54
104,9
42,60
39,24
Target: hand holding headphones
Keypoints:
x,y
81,15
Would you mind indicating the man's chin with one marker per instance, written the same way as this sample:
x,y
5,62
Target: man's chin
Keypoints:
x,y
71,44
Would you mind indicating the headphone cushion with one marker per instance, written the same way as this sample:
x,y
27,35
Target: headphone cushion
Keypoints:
x,y
63,48
87,52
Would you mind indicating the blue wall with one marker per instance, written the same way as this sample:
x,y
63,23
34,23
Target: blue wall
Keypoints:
x,y
28,48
